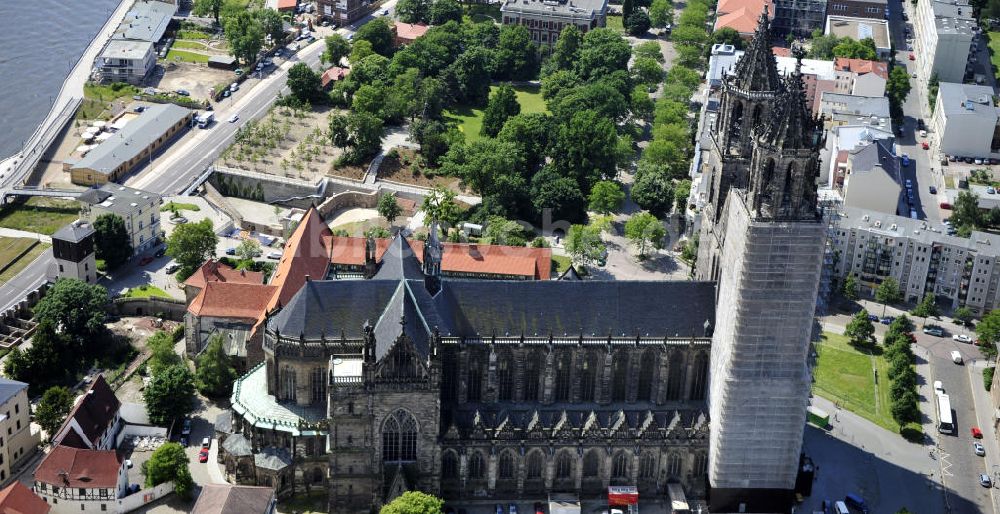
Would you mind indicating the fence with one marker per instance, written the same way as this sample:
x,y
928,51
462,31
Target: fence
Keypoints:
x,y
144,496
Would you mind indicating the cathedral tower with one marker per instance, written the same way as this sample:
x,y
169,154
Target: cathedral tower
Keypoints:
x,y
768,276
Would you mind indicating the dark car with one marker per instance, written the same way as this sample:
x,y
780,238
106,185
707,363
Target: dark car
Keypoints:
x,y
887,320
933,190
145,260
160,252
230,251
920,124
184,441
872,317
183,92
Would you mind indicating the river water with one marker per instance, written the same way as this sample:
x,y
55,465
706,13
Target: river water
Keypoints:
x,y
40,42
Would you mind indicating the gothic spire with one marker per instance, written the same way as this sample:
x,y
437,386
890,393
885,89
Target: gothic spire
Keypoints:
x,y
757,69
793,126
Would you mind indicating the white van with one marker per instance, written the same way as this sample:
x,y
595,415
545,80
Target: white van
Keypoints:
x,y
938,387
956,357
840,508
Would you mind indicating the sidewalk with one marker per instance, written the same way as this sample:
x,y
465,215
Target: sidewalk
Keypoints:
x,y
984,419
9,232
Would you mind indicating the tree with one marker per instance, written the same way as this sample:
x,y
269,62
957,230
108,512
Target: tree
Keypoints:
x,y
821,47
502,231
853,49
359,51
270,23
304,82
516,56
413,11
162,354
245,36
649,50
561,196
898,85
661,12
337,47
111,241
169,463
963,315
860,329
359,132
170,394
482,162
388,207
567,48
585,148
53,408
988,328
208,7
378,32
850,289
644,230
76,308
926,307
653,190
606,197
439,206
904,409
247,251
628,7
681,193
191,244
966,215
888,292
688,35
413,502
502,105
602,52
215,372
727,36
647,71
637,23
531,134
583,243
443,11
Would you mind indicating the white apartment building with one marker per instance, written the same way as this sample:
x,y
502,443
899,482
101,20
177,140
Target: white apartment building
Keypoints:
x,y
943,33
139,209
17,442
965,120
125,61
922,257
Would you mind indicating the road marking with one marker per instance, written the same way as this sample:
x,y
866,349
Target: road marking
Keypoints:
x,y
944,456
972,398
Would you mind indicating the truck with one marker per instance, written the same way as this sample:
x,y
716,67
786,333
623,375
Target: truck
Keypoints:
x,y
205,119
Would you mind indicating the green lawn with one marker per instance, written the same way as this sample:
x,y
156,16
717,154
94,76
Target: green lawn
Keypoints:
x,y
179,206
844,375
192,34
189,44
561,263
108,92
470,119
40,215
146,291
11,248
995,48
181,55
616,23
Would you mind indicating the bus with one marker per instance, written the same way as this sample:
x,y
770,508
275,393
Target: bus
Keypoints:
x,y
946,425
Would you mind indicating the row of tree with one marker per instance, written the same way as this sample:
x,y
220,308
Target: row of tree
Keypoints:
x,y
246,29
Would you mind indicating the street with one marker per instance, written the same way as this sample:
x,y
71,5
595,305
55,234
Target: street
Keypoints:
x,y
175,169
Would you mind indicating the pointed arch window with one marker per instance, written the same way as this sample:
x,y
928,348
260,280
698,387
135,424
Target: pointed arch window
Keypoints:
x,y
506,466
474,393
591,464
786,196
588,377
700,377
287,383
477,468
531,378
674,465
505,377
399,437
647,466
318,386
563,369
646,371
619,466
449,465
619,377
535,464
564,466
700,464
675,377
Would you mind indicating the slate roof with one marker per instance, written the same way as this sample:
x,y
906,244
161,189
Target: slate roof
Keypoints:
x,y
9,388
74,232
237,446
16,498
233,499
272,458
72,467
399,262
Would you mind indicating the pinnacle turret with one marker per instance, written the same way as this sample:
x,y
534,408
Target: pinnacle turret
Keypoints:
x,y
757,70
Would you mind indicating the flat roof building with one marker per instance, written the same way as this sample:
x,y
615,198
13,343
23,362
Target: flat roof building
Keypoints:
x,y
140,210
965,121
861,28
545,19
125,61
131,145
841,109
147,20
943,34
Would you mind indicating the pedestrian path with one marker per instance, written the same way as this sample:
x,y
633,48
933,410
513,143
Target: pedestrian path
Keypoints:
x,y
9,232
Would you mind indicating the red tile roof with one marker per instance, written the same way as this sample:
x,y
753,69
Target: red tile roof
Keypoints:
x,y
741,15
407,32
457,257
232,300
862,66
781,51
18,499
214,271
333,74
73,467
286,4
305,254
95,412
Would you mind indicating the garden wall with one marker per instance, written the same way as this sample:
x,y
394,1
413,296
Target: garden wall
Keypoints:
x,y
261,187
168,308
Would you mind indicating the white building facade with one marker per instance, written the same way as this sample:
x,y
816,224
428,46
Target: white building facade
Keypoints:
x,y
965,121
943,33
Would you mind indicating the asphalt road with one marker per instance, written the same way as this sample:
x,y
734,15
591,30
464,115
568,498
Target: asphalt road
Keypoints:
x,y
30,277
177,167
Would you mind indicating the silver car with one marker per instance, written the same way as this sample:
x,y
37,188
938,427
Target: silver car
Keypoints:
x,y
978,448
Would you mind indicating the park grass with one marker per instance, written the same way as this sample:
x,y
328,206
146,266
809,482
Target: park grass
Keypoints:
x,y
182,56
25,259
194,45
561,263
843,375
39,214
470,119
616,23
995,49
108,92
192,34
179,206
12,247
146,291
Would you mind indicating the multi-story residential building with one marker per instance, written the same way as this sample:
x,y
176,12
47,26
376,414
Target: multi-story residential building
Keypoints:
x,y
17,442
861,28
133,144
799,17
146,20
873,179
72,480
94,422
966,122
841,140
140,210
125,61
860,77
343,12
943,33
73,249
875,9
545,19
840,109
922,257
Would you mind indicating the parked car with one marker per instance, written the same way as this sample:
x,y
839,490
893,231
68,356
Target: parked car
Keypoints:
x,y
856,502
962,338
932,190
905,160
145,260
913,57
231,251
173,269
183,92
238,71
274,255
945,205
206,442
977,447
499,509
887,320
978,434
938,387
984,480
990,190
511,508
873,318
234,118
203,455
186,429
925,146
957,359
933,330
160,252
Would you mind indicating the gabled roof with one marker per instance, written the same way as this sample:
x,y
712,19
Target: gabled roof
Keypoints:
x,y
862,66
741,15
232,300
409,31
94,412
399,261
333,74
233,499
73,467
18,499
214,271
272,458
237,446
333,307
305,254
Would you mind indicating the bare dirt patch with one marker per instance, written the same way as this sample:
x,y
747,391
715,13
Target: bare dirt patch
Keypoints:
x,y
404,165
197,79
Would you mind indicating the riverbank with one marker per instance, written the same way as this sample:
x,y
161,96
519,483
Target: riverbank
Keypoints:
x,y
72,88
